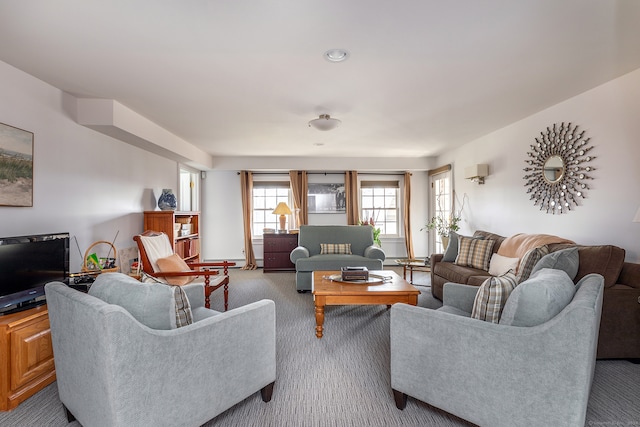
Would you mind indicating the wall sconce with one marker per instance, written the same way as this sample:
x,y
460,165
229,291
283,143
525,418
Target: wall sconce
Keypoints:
x,y
476,173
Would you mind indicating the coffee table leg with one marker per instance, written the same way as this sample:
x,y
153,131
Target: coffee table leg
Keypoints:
x,y
319,319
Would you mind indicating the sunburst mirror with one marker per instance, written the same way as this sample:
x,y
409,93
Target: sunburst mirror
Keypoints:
x,y
558,168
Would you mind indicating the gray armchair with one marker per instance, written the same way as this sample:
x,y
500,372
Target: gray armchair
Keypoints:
x,y
112,370
495,374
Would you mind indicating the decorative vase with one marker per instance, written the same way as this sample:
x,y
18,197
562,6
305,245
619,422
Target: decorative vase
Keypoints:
x,y
167,200
445,242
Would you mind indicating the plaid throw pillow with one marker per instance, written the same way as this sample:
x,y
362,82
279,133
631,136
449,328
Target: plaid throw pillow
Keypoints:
x,y
335,248
492,296
184,316
529,260
474,253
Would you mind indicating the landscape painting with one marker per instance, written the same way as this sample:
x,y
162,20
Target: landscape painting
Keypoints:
x,y
16,166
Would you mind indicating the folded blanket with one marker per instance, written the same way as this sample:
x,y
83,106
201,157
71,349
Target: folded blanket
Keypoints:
x,y
519,244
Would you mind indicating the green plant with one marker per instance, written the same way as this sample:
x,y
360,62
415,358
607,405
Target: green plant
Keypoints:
x,y
443,226
376,230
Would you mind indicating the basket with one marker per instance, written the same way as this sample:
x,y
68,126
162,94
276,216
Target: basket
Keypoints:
x,y
104,270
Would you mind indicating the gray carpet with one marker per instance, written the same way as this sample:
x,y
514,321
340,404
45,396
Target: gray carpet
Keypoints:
x,y
343,378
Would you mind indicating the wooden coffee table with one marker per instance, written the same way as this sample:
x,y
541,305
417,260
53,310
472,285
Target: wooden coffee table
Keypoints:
x,y
330,292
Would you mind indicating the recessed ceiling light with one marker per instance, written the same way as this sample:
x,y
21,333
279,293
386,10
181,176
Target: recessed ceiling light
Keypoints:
x,y
318,144
336,55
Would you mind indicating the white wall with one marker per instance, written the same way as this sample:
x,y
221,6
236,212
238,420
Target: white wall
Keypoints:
x,y
85,183
609,114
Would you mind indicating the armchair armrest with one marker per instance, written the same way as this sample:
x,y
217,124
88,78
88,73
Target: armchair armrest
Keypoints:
x,y
459,296
374,252
298,252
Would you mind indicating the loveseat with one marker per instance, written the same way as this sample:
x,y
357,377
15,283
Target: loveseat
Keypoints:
x,y
620,322
331,247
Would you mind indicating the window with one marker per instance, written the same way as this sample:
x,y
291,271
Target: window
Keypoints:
x,y
266,196
379,200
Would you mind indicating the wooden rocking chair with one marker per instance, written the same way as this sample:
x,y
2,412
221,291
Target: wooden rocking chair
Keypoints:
x,y
154,246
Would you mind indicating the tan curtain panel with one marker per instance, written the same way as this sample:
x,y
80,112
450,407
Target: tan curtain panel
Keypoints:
x,y
246,184
351,194
407,215
299,187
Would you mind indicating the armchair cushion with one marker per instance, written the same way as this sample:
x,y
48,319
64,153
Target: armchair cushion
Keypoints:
x,y
152,304
474,253
492,296
174,263
538,299
335,248
566,260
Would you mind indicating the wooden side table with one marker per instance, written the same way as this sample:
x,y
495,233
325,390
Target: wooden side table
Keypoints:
x,y
412,264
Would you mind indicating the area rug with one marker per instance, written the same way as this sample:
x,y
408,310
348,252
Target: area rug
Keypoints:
x,y
343,378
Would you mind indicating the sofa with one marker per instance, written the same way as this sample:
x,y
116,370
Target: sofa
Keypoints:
x,y
331,247
127,354
495,374
620,321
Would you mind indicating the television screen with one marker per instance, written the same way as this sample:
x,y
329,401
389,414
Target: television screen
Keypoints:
x,y
27,263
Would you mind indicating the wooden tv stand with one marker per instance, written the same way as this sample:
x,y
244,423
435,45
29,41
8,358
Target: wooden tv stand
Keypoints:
x,y
26,356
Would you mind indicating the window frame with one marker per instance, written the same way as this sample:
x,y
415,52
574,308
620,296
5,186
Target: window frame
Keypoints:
x,y
278,186
382,185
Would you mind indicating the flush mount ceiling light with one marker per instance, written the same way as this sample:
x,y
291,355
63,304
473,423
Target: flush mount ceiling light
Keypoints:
x,y
324,122
336,55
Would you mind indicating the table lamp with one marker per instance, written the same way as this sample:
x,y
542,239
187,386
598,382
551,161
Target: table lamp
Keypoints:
x,y
282,209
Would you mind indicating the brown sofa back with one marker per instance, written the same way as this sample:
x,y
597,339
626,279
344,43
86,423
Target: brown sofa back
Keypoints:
x,y
606,260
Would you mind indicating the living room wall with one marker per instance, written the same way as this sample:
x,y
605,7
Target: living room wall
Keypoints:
x,y
609,116
84,183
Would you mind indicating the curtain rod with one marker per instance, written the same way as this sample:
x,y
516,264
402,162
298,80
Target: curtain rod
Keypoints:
x,y
328,173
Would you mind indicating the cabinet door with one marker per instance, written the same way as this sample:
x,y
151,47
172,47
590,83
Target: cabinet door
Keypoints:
x,y
32,352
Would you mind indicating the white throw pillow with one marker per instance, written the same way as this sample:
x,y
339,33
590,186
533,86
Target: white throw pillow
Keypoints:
x,y
499,264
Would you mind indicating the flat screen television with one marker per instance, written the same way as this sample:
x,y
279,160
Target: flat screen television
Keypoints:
x,y
27,263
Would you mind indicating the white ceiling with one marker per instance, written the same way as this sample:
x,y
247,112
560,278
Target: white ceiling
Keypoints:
x,y
243,78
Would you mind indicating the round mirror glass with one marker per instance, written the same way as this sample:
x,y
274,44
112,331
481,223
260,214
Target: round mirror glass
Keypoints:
x,y
553,169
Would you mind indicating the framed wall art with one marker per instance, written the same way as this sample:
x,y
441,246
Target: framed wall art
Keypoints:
x,y
16,166
326,198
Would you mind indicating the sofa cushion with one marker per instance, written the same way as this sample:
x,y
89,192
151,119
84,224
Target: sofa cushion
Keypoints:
x,y
499,264
335,262
335,248
474,253
456,273
529,260
538,299
451,252
492,296
152,304
566,260
174,263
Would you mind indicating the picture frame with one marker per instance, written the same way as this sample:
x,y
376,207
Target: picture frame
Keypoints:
x,y
326,198
16,166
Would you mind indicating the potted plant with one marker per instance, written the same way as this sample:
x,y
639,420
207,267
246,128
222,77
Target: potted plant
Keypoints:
x,y
376,230
443,226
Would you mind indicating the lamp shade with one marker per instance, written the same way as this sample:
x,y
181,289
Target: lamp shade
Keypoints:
x,y
637,217
282,209
324,122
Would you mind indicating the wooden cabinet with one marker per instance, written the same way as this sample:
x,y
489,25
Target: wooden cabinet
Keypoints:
x,y
277,248
185,242
26,356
